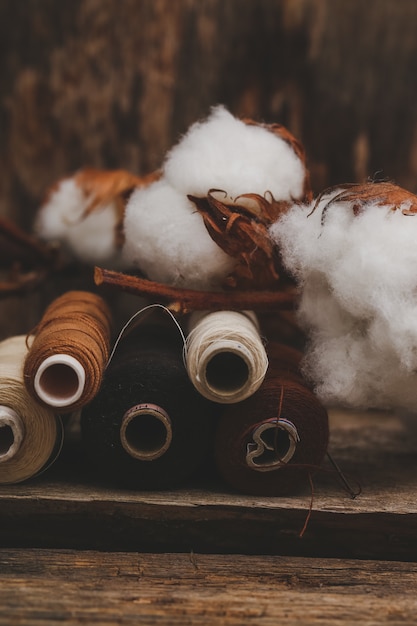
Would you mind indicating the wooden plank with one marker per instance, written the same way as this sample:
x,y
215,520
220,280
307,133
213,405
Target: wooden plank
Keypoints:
x,y
55,587
65,508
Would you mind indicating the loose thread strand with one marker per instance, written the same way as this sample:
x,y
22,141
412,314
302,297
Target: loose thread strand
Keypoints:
x,y
135,316
310,508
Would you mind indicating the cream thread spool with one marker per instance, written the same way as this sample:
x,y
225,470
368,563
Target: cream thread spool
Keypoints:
x,y
224,355
30,435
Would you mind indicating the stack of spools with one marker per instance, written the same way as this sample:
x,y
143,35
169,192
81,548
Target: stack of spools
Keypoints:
x,y
47,375
165,403
170,397
159,418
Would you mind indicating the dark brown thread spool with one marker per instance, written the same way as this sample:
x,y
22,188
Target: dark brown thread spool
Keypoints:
x,y
268,444
148,428
66,360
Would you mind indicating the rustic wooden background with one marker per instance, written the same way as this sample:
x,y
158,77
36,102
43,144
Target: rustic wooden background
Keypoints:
x,y
113,83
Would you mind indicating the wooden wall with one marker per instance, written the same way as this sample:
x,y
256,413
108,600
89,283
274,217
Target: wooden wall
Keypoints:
x,y
113,83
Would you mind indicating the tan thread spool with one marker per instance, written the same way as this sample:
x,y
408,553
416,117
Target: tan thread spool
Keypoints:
x,y
224,355
65,364
30,435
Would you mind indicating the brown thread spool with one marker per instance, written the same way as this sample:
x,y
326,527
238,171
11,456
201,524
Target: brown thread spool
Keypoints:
x,y
270,443
65,363
285,360
30,435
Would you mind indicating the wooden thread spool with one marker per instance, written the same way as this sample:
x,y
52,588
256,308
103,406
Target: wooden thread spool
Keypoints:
x,y
269,444
30,435
66,361
146,431
147,428
11,433
225,357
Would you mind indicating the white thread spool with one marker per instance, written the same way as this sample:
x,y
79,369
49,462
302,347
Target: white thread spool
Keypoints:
x,y
59,380
224,355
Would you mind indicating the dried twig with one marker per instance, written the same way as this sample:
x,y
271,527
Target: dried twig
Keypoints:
x,y
25,260
184,300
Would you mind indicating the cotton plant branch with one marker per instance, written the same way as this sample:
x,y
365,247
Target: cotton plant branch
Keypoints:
x,y
25,261
182,301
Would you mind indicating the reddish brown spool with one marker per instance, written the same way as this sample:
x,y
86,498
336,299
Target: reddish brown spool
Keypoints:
x,y
270,443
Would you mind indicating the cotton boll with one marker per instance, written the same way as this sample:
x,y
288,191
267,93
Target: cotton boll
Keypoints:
x,y
89,238
225,153
165,238
65,204
356,270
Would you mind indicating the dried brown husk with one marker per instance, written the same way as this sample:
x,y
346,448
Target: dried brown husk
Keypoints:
x,y
242,231
361,195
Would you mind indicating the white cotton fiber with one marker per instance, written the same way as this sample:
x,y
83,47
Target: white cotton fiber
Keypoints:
x,y
358,300
165,237
222,152
89,238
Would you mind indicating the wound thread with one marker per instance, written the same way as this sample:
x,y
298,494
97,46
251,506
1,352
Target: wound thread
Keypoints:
x,y
66,361
269,444
148,427
29,433
224,355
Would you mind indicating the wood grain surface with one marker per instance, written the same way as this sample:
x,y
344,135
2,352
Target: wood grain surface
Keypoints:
x,y
65,587
66,508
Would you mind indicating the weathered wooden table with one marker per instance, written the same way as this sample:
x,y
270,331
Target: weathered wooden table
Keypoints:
x,y
76,552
